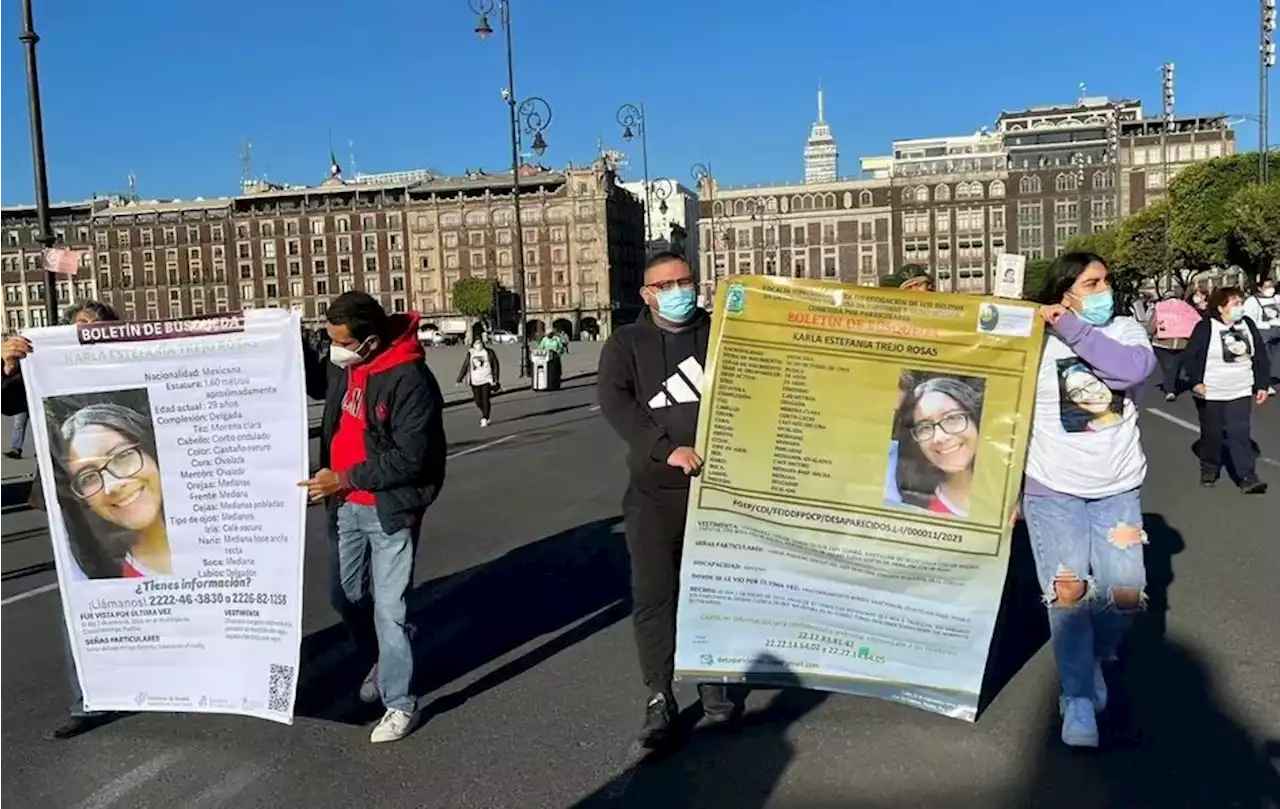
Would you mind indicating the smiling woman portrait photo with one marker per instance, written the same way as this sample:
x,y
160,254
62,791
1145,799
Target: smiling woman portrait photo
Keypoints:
x,y
936,434
108,485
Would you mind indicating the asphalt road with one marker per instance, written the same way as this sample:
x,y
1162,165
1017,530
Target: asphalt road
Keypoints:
x,y
533,696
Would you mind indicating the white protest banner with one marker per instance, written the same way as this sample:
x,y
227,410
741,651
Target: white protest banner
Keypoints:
x,y
170,453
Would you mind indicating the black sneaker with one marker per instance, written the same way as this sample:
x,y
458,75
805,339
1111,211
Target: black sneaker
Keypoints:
x,y
1208,478
1254,486
717,707
659,721
76,725
15,454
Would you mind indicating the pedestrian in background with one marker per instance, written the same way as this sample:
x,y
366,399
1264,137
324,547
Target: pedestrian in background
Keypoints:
x,y
1171,325
1082,489
18,436
1227,361
480,368
1263,308
14,396
382,458
650,388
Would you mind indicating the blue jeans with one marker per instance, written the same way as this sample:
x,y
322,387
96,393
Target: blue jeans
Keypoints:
x,y
362,555
19,435
1098,543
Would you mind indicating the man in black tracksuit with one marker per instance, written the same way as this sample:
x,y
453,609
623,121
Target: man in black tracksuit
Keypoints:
x,y
650,385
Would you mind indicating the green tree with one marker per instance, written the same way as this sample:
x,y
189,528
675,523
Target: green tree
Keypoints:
x,y
473,297
1201,220
1142,252
1254,243
1033,277
1102,243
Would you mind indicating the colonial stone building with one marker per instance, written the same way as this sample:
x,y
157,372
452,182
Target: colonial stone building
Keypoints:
x,y
583,241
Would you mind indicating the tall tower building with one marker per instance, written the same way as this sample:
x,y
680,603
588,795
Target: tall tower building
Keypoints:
x,y
821,155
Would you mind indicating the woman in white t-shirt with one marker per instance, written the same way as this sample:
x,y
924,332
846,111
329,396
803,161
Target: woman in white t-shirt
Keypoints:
x,y
1263,308
1226,359
1085,469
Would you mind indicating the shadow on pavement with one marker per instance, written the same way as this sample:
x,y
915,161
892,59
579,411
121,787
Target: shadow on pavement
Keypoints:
x,y
1167,738
720,767
470,618
550,412
1021,624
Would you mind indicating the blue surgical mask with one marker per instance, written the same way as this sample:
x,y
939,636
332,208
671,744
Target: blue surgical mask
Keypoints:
x,y
1235,314
676,305
1097,308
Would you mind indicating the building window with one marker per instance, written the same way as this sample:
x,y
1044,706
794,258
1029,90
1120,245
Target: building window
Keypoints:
x,y
1065,210
798,267
997,188
1065,182
829,269
1104,179
1029,185
865,199
797,237
941,193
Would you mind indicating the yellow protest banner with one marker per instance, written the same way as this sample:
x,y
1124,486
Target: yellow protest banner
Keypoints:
x,y
863,455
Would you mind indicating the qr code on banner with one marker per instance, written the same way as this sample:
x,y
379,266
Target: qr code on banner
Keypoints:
x,y
280,689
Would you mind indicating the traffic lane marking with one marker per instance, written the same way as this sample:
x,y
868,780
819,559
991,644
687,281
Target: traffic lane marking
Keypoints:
x,y
1195,428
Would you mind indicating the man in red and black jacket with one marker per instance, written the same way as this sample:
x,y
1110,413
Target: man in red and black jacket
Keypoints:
x,y
382,453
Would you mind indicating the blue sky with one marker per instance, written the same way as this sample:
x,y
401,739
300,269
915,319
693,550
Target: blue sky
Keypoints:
x,y
168,89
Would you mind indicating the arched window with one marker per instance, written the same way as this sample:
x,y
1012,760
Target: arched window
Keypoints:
x,y
1104,179
908,194
797,203
740,207
502,217
1065,182
1029,185
922,194
941,193
830,201
717,208
997,188
975,189
450,220
865,200
558,214
808,202
476,219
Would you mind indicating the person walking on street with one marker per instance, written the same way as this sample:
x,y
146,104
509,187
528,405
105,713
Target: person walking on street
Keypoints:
x,y
1082,489
1230,373
14,402
650,387
1170,326
19,435
480,368
382,458
1263,308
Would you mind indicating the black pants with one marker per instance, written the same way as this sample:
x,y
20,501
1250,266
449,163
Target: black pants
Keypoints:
x,y
1227,424
481,394
655,538
1170,366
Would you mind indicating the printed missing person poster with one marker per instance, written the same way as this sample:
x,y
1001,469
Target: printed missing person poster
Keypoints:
x,y
863,454
170,453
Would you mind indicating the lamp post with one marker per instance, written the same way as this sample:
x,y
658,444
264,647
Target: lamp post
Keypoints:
x,y
1266,61
632,120
770,222
662,190
532,117
702,176
28,38
1167,99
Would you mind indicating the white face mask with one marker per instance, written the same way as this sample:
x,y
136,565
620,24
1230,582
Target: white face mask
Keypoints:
x,y
1268,291
343,357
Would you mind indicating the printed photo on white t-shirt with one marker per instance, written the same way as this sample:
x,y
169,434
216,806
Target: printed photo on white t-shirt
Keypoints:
x,y
1085,403
1237,345
1271,314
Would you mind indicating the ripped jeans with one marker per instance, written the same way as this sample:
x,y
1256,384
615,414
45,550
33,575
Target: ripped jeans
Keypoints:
x,y
1088,557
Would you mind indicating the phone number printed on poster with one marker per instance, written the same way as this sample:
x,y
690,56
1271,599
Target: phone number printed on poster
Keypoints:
x,y
173,448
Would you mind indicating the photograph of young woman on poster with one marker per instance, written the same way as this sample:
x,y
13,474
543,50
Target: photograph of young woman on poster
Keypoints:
x,y
108,484
936,432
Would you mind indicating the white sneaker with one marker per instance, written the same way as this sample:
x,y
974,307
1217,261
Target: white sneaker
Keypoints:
x,y
1079,723
393,726
484,422
369,688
